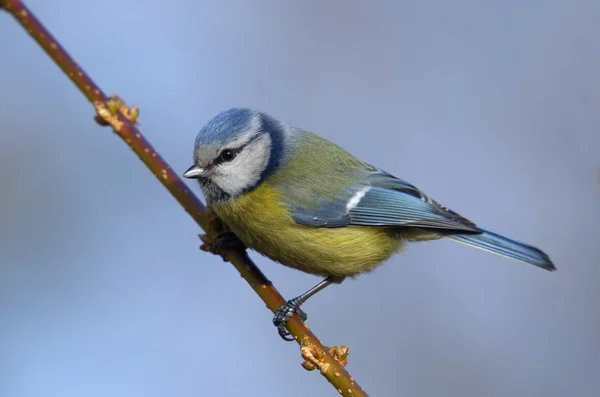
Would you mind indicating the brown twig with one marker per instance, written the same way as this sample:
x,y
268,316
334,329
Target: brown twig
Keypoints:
x,y
318,355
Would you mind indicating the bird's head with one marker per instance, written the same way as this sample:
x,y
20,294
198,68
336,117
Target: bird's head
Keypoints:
x,y
235,151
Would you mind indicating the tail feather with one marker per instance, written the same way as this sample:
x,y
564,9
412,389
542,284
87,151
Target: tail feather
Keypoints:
x,y
504,246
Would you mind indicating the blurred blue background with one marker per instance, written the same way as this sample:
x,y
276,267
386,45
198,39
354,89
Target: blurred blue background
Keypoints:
x,y
489,107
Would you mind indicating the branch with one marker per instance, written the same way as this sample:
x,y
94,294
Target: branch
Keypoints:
x,y
330,362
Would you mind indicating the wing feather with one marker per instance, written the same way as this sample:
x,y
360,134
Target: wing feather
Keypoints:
x,y
380,199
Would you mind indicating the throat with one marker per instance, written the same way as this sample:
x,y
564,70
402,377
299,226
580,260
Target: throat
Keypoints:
x,y
213,193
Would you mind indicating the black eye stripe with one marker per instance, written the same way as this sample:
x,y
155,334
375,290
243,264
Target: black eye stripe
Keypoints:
x,y
235,151
227,155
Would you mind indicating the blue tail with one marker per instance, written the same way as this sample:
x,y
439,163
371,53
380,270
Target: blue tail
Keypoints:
x,y
504,246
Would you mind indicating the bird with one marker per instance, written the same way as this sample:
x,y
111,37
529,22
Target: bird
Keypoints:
x,y
307,203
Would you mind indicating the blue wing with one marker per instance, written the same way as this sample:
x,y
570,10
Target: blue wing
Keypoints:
x,y
380,199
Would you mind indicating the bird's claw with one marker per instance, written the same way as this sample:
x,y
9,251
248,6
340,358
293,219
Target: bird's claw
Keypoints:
x,y
221,242
284,313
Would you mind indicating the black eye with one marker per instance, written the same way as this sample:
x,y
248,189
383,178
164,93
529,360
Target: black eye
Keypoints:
x,y
227,155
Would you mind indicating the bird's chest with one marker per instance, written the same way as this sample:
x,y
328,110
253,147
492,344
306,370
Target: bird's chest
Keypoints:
x,y
258,217
262,221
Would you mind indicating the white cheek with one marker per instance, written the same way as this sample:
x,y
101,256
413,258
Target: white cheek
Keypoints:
x,y
245,170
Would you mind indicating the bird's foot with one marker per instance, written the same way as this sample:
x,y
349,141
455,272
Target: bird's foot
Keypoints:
x,y
221,242
284,313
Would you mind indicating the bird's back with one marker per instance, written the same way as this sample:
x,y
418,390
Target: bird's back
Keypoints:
x,y
317,167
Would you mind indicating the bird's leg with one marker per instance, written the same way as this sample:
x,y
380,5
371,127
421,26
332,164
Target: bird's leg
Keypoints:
x,y
285,312
221,242
224,238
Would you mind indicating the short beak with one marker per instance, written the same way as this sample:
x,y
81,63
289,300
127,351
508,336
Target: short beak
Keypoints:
x,y
194,172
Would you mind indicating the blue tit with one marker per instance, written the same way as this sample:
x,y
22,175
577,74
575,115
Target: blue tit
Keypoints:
x,y
306,203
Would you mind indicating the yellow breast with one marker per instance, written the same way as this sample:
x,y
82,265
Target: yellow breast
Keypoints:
x,y
263,223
